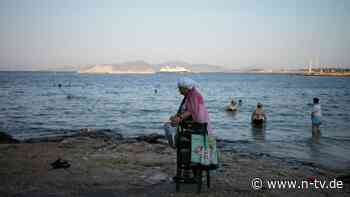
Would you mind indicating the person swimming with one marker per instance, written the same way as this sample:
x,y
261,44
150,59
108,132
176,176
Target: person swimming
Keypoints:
x,y
258,116
232,106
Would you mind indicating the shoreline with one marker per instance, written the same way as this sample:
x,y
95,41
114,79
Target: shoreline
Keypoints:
x,y
102,165
223,144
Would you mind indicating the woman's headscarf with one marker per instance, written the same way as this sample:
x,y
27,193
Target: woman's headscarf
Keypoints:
x,y
186,82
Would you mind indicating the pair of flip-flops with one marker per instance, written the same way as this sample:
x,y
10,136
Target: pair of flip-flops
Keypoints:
x,y
60,163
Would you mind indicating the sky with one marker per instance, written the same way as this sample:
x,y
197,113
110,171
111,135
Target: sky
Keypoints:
x,y
50,34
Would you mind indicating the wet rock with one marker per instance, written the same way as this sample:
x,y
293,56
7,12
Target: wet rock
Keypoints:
x,y
7,139
151,138
130,141
105,134
45,139
117,136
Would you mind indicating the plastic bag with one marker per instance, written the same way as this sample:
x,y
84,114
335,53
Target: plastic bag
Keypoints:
x,y
204,151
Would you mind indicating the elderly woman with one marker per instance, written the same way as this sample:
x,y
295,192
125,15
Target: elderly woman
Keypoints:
x,y
192,108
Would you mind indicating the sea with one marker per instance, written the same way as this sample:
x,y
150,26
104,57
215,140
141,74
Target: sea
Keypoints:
x,y
40,104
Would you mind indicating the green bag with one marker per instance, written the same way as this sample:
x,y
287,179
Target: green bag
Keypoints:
x,y
204,151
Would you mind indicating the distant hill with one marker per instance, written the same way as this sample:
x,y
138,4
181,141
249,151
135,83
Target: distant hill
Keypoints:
x,y
197,68
135,67
144,67
208,68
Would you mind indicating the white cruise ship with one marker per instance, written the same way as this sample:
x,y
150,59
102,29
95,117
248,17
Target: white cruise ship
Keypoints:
x,y
173,69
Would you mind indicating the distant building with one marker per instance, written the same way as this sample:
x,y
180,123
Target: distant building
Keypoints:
x,y
310,67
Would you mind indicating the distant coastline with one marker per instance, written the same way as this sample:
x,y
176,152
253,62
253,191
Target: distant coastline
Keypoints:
x,y
328,74
150,73
181,67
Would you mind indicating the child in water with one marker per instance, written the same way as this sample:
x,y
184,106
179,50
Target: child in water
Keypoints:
x,y
316,115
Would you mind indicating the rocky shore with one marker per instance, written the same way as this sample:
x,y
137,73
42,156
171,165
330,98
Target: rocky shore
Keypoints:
x,y
102,164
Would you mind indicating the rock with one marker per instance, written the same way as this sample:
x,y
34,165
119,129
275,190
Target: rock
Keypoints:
x,y
87,130
7,139
45,139
105,134
117,136
151,138
154,177
66,143
130,141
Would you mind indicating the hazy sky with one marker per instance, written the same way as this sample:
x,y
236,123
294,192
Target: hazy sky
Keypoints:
x,y
231,33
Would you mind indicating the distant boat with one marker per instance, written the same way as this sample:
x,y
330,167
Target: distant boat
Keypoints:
x,y
168,69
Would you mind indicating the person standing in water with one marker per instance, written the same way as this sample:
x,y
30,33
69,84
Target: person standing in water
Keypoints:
x,y
316,115
258,117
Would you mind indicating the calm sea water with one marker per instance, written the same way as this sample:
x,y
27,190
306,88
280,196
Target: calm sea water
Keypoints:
x,y
32,104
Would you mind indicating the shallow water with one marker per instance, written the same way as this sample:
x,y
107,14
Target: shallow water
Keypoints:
x,y
33,105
